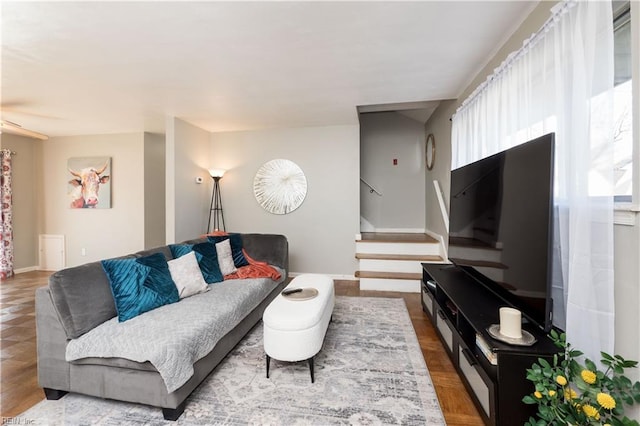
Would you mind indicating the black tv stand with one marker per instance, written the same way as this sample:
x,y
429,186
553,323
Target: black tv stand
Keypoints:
x,y
461,309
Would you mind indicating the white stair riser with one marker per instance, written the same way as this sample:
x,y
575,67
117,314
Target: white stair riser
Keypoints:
x,y
377,265
397,248
382,284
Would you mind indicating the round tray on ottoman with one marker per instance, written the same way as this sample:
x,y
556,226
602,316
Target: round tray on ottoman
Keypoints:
x,y
305,294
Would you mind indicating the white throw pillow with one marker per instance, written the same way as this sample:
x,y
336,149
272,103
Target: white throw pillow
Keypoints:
x,y
225,258
186,273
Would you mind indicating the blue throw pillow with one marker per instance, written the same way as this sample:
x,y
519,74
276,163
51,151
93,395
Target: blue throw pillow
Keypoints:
x,y
207,258
179,250
140,284
236,247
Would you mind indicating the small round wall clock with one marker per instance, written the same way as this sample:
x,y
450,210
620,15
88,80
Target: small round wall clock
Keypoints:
x,y
280,186
430,152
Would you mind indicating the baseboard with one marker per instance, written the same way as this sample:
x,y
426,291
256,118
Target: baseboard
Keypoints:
x,y
332,276
27,269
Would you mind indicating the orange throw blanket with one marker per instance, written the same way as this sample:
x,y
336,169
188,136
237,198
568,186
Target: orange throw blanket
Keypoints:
x,y
255,269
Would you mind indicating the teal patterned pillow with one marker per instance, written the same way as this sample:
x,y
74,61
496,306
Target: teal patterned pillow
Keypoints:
x,y
140,284
236,247
206,256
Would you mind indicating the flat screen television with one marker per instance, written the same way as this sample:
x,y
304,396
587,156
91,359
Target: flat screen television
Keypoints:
x,y
501,226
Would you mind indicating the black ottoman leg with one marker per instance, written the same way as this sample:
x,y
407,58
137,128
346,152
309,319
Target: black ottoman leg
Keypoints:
x,y
311,369
268,362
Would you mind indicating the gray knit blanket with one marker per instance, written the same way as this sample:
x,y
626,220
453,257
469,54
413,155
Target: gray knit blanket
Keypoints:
x,y
173,337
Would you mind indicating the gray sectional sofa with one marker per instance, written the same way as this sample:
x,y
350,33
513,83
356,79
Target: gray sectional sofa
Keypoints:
x,y
78,304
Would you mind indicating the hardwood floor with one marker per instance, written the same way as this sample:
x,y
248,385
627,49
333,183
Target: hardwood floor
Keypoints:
x,y
18,370
19,388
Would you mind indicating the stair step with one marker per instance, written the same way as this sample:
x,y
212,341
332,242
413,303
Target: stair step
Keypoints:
x,y
410,257
389,275
381,237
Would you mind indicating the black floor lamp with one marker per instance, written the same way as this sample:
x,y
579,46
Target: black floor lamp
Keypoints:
x,y
216,202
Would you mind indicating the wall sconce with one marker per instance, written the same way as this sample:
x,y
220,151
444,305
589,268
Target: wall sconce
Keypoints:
x,y
215,209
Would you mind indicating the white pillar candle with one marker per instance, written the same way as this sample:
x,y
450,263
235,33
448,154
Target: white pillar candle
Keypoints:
x,y
511,323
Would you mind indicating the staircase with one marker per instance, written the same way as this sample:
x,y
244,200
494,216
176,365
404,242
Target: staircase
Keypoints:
x,y
392,261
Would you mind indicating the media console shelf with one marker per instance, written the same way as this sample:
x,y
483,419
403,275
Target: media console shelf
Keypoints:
x,y
461,310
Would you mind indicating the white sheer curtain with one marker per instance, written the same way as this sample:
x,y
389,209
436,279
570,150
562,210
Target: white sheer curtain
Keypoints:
x,y
561,81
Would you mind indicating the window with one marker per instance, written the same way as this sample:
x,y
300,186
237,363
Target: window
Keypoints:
x,y
623,116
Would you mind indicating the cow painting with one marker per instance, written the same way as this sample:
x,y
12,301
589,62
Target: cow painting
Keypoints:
x,y
85,183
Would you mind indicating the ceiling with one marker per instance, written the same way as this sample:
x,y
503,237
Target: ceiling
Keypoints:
x,y
79,68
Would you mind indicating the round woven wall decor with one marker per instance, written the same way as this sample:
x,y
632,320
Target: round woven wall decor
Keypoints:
x,y
280,186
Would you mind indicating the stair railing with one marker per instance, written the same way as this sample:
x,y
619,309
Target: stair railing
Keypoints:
x,y
371,188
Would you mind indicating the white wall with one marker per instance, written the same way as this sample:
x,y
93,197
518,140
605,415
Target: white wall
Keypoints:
x,y
187,156
321,232
102,233
24,178
154,190
440,125
386,136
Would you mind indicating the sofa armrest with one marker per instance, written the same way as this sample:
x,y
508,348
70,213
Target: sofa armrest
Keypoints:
x,y
53,369
270,248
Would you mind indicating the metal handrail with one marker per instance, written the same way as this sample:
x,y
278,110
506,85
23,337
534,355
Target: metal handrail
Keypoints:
x,y
371,188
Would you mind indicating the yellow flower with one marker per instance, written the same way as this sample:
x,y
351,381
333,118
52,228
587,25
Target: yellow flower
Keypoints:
x,y
591,411
570,394
537,395
561,380
552,393
606,401
588,376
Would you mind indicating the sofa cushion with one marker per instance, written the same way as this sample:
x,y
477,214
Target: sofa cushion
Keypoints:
x,y
236,247
162,249
206,256
140,284
273,249
225,258
186,273
82,298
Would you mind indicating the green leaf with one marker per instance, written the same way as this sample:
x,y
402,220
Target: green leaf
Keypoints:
x,y
628,422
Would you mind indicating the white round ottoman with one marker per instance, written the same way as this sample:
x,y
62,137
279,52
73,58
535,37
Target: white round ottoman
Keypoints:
x,y
294,329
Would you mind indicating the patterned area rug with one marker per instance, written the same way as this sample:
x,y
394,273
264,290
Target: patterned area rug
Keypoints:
x,y
369,371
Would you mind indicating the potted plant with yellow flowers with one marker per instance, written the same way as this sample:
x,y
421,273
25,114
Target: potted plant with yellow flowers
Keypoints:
x,y
569,392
